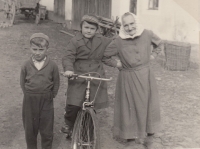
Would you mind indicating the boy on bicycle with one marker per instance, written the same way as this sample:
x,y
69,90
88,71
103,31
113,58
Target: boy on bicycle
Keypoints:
x,y
39,81
84,54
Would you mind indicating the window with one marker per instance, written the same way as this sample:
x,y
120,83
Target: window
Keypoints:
x,y
133,6
153,4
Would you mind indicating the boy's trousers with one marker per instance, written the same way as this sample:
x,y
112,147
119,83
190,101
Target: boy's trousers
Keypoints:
x,y
38,116
71,112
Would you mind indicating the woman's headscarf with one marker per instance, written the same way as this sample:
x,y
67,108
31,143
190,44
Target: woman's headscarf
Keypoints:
x,y
139,28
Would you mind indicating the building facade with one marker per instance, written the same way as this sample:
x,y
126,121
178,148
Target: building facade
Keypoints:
x,y
170,19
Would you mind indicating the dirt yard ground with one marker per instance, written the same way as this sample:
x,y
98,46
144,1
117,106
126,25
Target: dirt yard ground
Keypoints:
x,y
179,94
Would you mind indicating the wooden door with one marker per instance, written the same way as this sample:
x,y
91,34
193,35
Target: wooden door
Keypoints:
x,y
82,7
59,7
104,8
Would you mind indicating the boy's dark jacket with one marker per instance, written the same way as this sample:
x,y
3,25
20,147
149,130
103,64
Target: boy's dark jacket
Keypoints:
x,y
82,57
45,80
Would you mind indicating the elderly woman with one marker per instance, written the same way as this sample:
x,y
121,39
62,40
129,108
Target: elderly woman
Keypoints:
x,y
137,109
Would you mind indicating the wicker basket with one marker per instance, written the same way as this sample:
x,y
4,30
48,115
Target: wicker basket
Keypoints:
x,y
177,55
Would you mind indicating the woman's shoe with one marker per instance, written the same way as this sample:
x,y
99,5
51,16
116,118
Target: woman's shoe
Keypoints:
x,y
150,134
130,140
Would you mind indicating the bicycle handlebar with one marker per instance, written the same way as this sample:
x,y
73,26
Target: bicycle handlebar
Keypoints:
x,y
88,77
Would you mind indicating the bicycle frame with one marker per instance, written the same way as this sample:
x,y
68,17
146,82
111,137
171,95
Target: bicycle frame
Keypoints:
x,y
87,97
87,92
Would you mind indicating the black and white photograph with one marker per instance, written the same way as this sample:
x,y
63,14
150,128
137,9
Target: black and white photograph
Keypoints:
x,y
99,74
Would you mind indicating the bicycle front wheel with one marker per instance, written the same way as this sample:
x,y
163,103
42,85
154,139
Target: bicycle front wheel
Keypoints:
x,y
86,131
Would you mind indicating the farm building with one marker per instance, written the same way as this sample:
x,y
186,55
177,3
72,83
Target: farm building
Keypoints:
x,y
170,19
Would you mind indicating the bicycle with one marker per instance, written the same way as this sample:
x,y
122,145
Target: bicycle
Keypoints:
x,y
85,134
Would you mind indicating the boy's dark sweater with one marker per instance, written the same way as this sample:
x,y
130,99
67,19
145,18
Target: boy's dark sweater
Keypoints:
x,y
36,81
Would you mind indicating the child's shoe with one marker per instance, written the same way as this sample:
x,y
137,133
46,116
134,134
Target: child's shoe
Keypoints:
x,y
66,129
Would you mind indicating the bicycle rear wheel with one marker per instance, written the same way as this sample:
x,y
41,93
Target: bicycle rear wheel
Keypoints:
x,y
86,131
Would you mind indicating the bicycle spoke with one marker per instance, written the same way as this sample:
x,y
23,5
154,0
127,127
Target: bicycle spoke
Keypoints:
x,y
86,135
87,132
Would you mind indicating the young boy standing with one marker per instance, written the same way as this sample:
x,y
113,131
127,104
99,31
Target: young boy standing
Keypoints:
x,y
39,81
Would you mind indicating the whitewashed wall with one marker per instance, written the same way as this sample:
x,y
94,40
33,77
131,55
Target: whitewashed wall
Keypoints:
x,y
48,3
68,9
119,7
170,22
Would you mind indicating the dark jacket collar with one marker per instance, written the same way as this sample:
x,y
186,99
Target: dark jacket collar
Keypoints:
x,y
96,41
80,36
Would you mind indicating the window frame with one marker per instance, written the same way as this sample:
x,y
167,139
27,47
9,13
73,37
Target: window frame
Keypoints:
x,y
154,7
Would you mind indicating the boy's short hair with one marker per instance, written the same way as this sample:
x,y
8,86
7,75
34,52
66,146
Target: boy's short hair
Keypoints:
x,y
90,19
40,40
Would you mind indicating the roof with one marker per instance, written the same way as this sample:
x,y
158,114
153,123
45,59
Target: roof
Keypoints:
x,y
191,6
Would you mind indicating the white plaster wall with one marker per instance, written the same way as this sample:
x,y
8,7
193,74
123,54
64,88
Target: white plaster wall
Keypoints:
x,y
48,3
68,9
170,22
119,7
115,5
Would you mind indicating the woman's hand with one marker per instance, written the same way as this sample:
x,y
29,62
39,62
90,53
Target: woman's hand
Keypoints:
x,y
119,64
152,57
68,74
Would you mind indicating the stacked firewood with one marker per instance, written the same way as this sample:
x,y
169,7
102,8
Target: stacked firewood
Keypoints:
x,y
109,23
